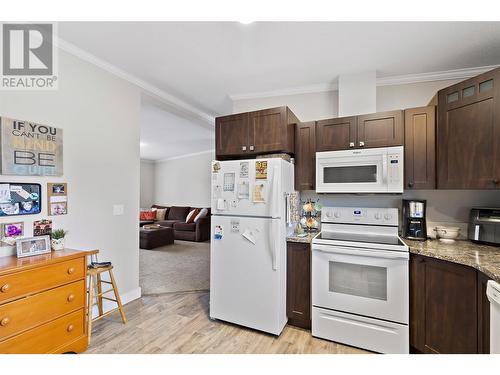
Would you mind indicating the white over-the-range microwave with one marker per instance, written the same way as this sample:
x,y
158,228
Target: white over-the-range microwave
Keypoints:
x,y
373,170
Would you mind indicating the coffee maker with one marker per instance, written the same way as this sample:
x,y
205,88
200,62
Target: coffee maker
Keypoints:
x,y
414,225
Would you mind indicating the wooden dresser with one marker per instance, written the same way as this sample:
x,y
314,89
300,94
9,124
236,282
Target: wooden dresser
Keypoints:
x,y
43,303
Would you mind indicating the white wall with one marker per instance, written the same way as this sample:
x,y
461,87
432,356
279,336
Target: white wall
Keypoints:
x,y
100,117
444,206
184,181
147,183
307,107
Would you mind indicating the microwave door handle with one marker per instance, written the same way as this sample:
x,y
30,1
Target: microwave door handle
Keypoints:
x,y
476,232
384,170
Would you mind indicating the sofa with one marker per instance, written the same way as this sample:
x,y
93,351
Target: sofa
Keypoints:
x,y
175,218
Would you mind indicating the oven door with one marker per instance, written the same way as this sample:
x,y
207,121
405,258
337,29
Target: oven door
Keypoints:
x,y
366,282
351,171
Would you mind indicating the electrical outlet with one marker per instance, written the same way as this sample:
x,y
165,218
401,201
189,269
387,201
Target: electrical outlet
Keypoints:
x,y
118,209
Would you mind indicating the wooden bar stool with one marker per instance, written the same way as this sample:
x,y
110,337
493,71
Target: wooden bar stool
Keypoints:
x,y
95,291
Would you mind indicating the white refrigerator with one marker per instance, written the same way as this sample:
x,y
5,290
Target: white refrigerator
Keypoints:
x,y
248,242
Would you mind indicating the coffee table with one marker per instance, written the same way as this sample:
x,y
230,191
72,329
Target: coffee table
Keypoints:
x,y
153,238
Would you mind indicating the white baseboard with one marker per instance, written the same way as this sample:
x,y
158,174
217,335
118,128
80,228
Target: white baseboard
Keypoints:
x,y
126,297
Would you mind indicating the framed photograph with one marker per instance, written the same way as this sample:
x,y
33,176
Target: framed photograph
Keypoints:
x,y
30,246
58,209
20,199
57,198
42,227
12,230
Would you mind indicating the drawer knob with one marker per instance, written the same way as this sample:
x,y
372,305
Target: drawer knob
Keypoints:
x,y
495,181
71,270
71,297
4,322
5,288
361,144
70,328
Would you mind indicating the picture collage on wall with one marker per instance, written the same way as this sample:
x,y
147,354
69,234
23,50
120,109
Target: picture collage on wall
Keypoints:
x,y
24,199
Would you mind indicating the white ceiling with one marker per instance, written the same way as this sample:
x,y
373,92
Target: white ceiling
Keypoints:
x,y
165,135
203,64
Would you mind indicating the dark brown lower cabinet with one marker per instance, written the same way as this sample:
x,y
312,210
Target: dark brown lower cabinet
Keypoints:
x,y
447,308
298,284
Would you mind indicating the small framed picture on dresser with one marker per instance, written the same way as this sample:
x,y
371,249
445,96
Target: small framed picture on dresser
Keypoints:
x,y
30,246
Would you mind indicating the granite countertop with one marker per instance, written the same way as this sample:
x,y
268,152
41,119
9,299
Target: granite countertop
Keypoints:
x,y
482,257
306,239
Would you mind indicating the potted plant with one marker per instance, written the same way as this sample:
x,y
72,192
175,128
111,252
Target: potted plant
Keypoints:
x,y
57,239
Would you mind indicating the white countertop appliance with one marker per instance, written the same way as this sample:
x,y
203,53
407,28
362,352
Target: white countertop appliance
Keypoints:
x,y
493,294
372,170
248,242
360,279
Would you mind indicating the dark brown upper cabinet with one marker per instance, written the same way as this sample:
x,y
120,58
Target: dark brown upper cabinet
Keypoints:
x,y
258,132
380,129
231,134
468,134
305,155
420,148
336,134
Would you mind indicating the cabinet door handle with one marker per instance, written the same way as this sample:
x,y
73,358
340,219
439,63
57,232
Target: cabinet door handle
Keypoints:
x,y
5,288
251,148
4,322
351,144
361,144
495,181
243,148
71,270
410,184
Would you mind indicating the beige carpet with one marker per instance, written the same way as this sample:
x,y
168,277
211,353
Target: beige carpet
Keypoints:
x,y
183,266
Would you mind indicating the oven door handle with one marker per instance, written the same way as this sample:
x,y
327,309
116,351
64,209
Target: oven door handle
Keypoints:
x,y
362,252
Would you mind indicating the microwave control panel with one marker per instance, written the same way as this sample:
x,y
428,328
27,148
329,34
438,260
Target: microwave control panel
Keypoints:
x,y
395,171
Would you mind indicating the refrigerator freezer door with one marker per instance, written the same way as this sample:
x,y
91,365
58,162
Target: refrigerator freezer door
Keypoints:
x,y
239,191
247,272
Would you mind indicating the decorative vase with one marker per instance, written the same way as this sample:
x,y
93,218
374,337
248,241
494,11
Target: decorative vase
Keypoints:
x,y
57,244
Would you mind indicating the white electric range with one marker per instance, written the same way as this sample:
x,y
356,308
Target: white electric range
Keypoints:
x,y
360,279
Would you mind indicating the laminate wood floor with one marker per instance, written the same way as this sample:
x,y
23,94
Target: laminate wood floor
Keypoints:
x,y
179,323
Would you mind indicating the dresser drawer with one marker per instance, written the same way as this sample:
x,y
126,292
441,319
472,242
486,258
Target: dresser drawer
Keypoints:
x,y
32,281
48,337
34,310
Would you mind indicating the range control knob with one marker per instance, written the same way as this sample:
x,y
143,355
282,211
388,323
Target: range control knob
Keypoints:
x,y
378,216
387,216
328,214
336,214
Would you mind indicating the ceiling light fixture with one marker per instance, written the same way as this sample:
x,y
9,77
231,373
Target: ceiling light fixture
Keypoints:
x,y
246,22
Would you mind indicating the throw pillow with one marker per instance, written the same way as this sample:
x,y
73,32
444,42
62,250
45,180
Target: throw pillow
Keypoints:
x,y
203,213
147,215
190,217
160,213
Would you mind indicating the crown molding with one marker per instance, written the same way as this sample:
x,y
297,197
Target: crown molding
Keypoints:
x,y
434,76
185,156
381,81
164,97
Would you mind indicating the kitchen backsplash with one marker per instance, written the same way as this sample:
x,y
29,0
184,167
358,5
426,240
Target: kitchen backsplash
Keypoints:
x,y
444,207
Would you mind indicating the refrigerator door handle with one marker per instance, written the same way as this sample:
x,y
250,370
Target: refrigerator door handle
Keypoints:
x,y
274,242
274,194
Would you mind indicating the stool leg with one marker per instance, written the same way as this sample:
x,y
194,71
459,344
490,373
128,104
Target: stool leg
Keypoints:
x,y
117,296
99,294
89,312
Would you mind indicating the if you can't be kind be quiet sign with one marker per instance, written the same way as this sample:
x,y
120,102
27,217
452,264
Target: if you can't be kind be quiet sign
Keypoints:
x,y
30,149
